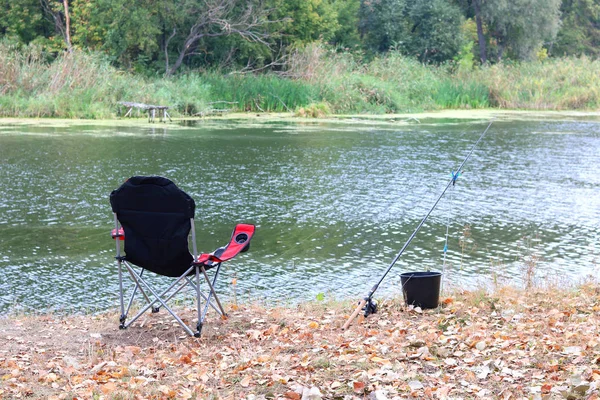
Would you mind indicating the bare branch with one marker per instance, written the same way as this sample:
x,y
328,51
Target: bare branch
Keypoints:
x,y
281,61
222,18
57,18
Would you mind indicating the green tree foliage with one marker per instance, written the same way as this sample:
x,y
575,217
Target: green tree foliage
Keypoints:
x,y
166,36
346,35
521,27
306,20
24,21
436,33
382,23
580,31
427,29
126,30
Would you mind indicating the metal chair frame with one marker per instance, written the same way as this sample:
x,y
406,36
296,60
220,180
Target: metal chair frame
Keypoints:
x,y
140,283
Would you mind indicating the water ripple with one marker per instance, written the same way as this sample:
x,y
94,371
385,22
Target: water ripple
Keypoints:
x,y
333,205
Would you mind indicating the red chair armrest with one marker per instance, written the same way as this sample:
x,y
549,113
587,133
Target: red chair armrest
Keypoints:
x,y
120,234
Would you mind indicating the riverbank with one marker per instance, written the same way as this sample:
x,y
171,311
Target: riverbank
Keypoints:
x,y
81,85
508,344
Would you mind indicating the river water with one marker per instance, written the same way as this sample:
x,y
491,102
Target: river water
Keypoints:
x,y
333,204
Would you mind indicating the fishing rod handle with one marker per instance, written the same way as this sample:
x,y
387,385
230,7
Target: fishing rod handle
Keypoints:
x,y
354,314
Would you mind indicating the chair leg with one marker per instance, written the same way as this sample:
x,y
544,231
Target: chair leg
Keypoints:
x,y
212,290
140,282
206,299
135,288
198,293
123,316
125,311
133,276
158,298
143,286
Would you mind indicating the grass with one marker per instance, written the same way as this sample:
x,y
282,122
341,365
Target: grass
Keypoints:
x,y
315,82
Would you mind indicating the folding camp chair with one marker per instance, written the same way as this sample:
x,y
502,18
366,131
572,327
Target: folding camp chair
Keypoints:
x,y
154,218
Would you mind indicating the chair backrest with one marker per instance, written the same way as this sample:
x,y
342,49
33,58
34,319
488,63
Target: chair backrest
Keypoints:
x,y
155,216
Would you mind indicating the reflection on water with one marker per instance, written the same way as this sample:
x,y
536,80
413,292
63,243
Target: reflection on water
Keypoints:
x,y
333,204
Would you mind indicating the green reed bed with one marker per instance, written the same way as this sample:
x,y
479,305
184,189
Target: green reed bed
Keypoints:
x,y
456,94
316,81
266,92
394,84
554,84
75,85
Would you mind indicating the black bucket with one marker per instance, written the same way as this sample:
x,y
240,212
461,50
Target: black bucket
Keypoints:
x,y
421,289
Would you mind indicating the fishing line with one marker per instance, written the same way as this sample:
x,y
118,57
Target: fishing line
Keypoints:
x,y
367,303
446,242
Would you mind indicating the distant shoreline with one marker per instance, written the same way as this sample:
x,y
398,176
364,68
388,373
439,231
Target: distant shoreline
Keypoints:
x,y
408,118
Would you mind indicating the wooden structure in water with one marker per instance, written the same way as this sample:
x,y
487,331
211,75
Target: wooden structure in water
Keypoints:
x,y
151,109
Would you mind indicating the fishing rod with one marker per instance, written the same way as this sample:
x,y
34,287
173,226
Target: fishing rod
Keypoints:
x,y
367,303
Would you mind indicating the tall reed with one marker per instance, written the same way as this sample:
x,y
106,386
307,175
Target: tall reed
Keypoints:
x,y
554,84
82,85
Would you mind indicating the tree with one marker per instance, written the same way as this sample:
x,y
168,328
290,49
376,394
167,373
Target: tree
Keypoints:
x,y
346,34
521,26
382,23
126,30
427,29
58,13
216,18
480,36
24,20
580,31
435,33
306,20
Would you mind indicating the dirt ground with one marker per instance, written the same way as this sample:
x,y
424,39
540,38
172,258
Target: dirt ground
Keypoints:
x,y
508,344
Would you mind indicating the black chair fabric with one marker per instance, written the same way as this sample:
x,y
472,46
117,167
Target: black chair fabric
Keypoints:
x,y
155,216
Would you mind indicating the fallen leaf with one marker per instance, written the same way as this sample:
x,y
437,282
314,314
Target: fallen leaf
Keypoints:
x,y
546,388
246,381
358,386
380,360
108,387
263,358
292,395
51,377
133,349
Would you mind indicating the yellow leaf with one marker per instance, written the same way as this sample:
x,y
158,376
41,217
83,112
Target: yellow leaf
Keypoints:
x,y
380,360
263,358
313,325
